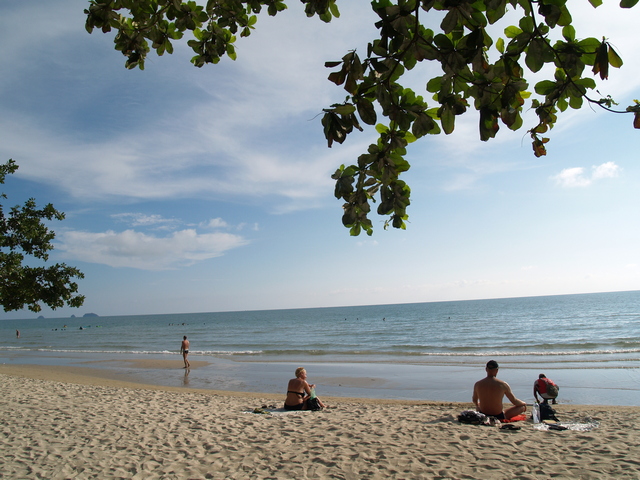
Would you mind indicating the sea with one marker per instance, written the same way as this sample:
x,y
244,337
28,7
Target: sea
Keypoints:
x,y
589,344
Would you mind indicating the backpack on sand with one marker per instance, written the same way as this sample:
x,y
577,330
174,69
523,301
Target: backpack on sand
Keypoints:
x,y
547,413
313,404
472,417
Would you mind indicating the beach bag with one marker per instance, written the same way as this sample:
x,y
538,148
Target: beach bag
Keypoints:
x,y
472,417
313,404
547,413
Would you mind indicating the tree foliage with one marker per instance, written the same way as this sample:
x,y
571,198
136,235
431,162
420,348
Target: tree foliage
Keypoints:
x,y
22,232
496,88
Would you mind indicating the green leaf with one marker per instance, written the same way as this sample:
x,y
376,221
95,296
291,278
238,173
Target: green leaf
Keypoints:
x,y
512,31
586,83
346,109
450,21
569,33
500,45
333,8
231,52
562,104
601,64
526,24
337,77
575,101
423,125
545,87
488,124
443,42
434,85
497,12
366,111
380,128
410,138
448,119
565,17
628,3
535,55
614,59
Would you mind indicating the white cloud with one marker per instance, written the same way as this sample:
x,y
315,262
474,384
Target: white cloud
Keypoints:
x,y
606,170
255,226
238,129
367,243
577,177
140,219
146,252
572,177
215,223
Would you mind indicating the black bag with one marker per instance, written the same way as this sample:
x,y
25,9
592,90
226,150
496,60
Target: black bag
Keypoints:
x,y
547,413
313,404
472,417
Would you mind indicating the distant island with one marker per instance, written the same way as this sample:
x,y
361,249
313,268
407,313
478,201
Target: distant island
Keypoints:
x,y
42,317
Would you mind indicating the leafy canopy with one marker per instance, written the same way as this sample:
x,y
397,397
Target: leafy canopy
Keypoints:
x,y
498,89
22,232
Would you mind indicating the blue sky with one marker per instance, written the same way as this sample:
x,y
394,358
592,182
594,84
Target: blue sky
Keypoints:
x,y
190,190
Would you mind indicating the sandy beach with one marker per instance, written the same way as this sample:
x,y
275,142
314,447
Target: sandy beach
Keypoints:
x,y
60,423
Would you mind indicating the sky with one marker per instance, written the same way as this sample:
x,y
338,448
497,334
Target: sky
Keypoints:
x,y
200,190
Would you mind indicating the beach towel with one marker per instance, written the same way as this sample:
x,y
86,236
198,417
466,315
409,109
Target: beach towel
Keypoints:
x,y
577,427
275,411
473,417
517,418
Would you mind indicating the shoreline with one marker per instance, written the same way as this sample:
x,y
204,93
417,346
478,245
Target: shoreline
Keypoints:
x,y
92,377
62,423
104,378
412,382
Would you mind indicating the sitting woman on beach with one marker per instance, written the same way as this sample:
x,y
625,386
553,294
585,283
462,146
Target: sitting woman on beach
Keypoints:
x,y
299,392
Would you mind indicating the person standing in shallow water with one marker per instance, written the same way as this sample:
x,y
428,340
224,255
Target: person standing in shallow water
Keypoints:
x,y
184,350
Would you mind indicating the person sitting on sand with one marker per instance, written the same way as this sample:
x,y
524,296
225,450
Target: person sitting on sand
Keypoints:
x,y
488,393
546,388
299,392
